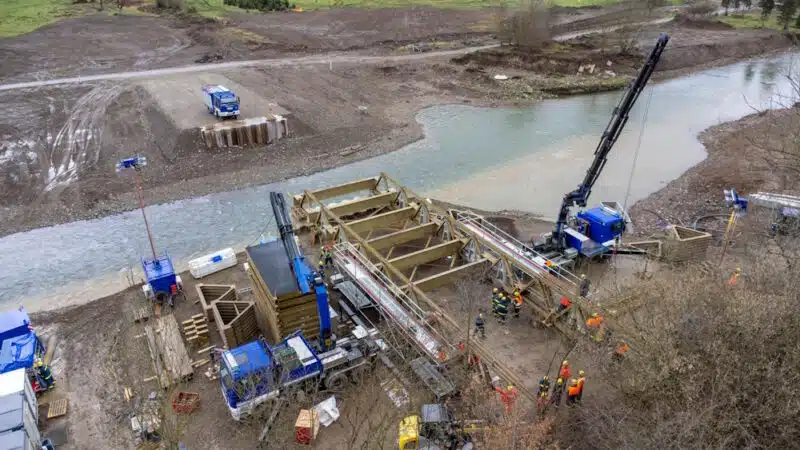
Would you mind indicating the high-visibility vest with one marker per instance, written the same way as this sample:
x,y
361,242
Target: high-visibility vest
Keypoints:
x,y
622,349
580,384
566,372
565,302
573,390
593,322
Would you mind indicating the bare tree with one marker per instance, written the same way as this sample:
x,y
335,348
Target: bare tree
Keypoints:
x,y
527,27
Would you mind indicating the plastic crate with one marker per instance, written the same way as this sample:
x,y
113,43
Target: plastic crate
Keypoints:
x,y
185,402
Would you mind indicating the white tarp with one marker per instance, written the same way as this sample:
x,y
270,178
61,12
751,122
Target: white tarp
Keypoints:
x,y
327,410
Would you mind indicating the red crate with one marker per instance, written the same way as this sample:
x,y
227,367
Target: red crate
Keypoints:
x,y
185,402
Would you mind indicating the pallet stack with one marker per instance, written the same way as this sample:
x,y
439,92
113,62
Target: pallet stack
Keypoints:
x,y
195,330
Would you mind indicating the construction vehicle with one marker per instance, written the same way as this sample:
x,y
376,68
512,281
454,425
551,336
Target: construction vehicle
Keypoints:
x,y
20,345
595,231
256,373
435,429
220,101
307,279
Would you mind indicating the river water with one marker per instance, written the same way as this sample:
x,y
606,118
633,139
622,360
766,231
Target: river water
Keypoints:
x,y
490,158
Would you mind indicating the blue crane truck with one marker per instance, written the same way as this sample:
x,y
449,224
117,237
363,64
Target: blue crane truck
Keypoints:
x,y
258,372
220,101
595,231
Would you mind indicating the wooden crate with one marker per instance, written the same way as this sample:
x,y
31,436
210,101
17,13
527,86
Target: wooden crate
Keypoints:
x,y
236,322
306,426
210,293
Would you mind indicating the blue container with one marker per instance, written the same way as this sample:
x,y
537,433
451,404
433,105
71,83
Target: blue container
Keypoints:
x,y
160,274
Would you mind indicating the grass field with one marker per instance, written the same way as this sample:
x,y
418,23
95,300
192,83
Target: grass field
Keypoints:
x,y
318,4
753,21
23,16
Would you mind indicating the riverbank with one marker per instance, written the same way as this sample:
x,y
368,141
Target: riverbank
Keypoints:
x,y
340,114
749,155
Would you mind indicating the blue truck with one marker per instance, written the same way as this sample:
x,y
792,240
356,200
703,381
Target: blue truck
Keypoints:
x,y
257,373
220,101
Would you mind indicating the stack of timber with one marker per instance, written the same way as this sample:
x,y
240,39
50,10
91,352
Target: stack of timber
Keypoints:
x,y
210,293
280,305
170,358
195,330
236,322
247,132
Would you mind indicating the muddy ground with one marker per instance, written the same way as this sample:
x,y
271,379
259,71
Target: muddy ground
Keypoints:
x,y
59,150
101,351
749,155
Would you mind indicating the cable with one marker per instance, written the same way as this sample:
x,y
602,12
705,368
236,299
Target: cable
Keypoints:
x,y
262,231
638,148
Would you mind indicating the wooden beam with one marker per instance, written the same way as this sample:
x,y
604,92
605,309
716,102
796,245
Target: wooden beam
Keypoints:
x,y
380,220
487,355
403,236
336,191
434,281
364,204
427,255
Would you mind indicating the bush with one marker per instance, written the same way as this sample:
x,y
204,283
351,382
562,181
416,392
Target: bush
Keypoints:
x,y
701,8
710,366
529,27
262,5
171,4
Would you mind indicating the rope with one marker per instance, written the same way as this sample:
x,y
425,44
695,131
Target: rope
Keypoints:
x,y
638,148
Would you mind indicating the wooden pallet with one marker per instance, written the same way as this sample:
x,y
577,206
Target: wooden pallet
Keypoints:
x,y
172,352
141,314
57,408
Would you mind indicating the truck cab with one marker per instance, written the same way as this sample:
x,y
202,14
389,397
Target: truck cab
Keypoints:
x,y
257,372
594,231
221,101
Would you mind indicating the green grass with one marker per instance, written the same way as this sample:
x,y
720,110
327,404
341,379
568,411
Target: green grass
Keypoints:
x,y
23,16
214,9
753,21
456,4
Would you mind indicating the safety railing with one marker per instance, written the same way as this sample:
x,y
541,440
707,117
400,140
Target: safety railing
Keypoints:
x,y
393,301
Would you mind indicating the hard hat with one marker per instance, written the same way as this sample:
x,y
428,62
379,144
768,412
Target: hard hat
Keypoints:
x,y
516,291
583,276
480,315
494,290
594,314
574,381
580,372
564,363
544,377
560,380
510,387
738,269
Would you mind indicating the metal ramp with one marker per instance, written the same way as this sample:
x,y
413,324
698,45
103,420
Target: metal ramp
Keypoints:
x,y
522,255
438,384
392,301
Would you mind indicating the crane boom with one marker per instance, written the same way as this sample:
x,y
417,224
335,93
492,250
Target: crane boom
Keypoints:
x,y
307,279
619,118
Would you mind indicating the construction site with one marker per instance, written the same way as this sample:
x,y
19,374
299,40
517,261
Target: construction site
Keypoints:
x,y
286,250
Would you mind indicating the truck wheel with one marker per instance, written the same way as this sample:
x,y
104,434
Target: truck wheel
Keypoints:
x,y
335,382
357,375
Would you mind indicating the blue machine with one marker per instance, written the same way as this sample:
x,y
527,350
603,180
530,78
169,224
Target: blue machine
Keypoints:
x,y
221,101
256,372
307,279
592,232
162,283
19,344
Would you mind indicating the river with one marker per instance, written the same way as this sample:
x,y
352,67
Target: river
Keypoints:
x,y
490,158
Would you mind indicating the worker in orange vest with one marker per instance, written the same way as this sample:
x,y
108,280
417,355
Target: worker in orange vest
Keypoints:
x,y
622,348
564,304
735,277
565,372
595,326
508,396
517,303
581,380
572,392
